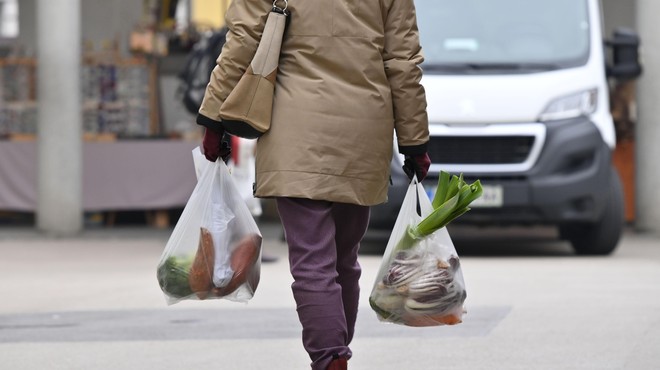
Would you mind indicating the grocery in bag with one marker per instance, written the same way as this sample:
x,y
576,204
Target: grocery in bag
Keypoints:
x,y
215,248
420,280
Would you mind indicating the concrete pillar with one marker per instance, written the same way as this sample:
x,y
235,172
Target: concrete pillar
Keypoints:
x,y
648,122
59,210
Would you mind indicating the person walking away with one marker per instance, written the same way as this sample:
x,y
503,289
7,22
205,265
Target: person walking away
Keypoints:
x,y
348,81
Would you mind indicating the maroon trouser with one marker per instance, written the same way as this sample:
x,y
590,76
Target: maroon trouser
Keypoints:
x,y
324,239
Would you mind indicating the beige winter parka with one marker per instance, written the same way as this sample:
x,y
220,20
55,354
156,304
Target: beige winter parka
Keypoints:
x,y
348,79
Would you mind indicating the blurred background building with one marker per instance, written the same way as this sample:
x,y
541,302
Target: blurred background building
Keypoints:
x,y
134,161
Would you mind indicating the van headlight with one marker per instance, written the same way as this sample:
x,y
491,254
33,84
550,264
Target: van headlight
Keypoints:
x,y
575,105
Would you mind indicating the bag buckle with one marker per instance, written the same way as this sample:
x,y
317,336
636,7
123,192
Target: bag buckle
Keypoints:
x,y
280,10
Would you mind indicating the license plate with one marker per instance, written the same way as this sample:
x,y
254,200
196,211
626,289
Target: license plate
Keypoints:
x,y
492,197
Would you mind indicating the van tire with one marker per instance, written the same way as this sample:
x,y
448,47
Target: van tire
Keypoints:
x,y
601,237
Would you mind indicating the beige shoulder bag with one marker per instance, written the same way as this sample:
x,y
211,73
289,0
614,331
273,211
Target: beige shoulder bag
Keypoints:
x,y
248,109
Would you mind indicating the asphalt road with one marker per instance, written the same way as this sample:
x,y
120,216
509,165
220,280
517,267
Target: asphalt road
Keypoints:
x,y
93,302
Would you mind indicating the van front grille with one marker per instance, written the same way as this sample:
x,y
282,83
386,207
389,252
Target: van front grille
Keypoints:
x,y
480,149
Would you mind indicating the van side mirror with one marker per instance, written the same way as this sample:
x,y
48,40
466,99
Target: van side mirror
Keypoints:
x,y
625,55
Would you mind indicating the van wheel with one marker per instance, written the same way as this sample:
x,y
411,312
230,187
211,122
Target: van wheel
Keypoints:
x,y
602,237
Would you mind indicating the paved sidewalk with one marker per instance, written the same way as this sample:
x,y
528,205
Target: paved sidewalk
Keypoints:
x,y
93,303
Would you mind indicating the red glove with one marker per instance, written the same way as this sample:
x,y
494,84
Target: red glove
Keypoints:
x,y
417,165
213,146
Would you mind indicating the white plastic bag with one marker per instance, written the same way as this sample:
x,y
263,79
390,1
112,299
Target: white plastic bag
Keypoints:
x,y
215,248
242,170
422,285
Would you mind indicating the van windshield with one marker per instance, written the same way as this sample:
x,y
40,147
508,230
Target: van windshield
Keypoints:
x,y
487,36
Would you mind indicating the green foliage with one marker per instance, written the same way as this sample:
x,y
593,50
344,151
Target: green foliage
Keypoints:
x,y
452,198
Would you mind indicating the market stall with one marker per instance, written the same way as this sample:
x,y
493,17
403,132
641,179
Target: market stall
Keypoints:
x,y
137,136
122,175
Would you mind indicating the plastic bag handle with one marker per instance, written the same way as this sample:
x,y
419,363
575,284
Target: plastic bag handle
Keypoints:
x,y
418,207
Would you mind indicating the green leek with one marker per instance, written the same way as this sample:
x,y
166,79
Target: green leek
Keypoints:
x,y
452,198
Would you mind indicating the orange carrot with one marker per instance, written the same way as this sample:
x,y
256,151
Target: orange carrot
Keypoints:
x,y
431,320
201,272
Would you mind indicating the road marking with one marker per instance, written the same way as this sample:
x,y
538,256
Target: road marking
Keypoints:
x,y
204,324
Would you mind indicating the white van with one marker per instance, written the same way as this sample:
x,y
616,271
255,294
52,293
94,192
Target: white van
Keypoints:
x,y
518,97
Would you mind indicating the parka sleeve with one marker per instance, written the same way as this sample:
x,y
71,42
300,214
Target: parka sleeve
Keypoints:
x,y
246,20
402,56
